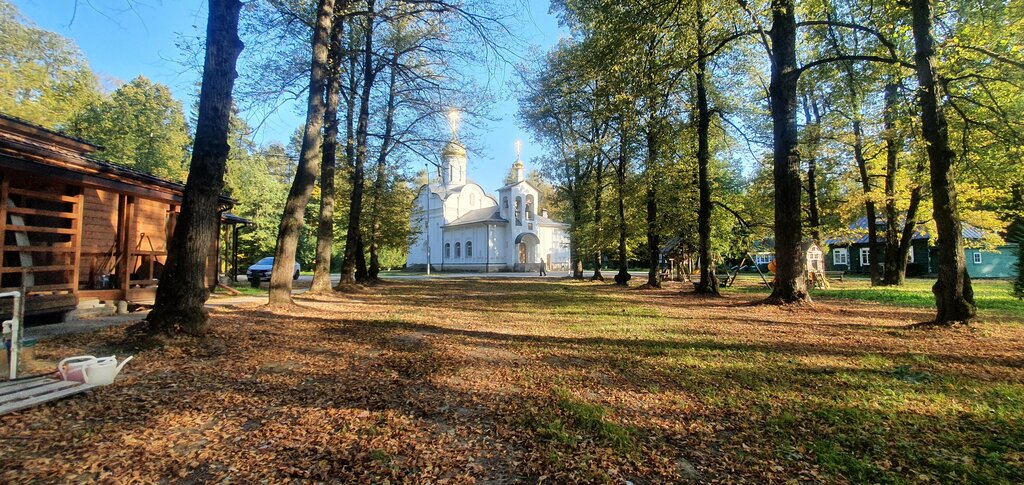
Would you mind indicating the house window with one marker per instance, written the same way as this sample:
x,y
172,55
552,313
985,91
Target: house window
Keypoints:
x,y
447,250
865,256
458,250
763,258
977,258
469,249
840,256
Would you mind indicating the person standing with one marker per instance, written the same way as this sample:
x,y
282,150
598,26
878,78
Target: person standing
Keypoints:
x,y
543,269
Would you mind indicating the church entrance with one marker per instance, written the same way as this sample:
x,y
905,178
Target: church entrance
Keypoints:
x,y
528,244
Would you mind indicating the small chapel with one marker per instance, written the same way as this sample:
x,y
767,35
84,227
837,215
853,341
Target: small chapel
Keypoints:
x,y
461,228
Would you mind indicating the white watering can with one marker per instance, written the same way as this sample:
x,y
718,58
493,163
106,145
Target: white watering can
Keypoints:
x,y
92,370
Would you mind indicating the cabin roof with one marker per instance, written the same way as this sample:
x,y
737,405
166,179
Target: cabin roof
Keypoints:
x,y
33,148
859,233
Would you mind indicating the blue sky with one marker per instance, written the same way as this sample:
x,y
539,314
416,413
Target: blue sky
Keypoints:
x,y
123,39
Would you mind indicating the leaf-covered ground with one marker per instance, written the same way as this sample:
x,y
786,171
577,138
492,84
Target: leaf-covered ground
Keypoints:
x,y
501,381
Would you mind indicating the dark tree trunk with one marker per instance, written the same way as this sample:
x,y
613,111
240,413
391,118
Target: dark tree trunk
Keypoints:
x,y
183,289
813,131
574,231
653,245
869,205
623,276
893,272
708,284
598,190
790,278
380,182
305,173
325,227
355,259
954,297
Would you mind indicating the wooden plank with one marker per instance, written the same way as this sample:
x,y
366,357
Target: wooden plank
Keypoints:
x,y
76,240
27,403
139,252
39,288
37,269
40,249
18,393
112,294
52,230
145,282
41,212
10,384
42,195
4,189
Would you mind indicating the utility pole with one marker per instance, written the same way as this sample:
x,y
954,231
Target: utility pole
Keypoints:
x,y
427,167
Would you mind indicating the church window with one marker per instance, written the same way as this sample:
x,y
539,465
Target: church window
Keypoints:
x,y
447,250
472,199
519,211
469,249
458,250
529,207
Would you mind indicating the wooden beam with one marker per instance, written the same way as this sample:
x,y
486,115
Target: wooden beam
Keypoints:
x,y
51,230
40,212
4,188
36,269
41,195
41,249
76,239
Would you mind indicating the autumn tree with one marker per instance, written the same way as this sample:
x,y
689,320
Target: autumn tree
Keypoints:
x,y
183,292
293,219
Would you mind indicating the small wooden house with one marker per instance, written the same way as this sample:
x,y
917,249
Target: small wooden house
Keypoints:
x,y
851,253
76,228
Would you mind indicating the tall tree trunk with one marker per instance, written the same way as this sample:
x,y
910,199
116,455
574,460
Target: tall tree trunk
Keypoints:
x,y
653,245
574,231
869,205
325,227
954,296
380,182
598,190
895,266
623,276
354,255
183,289
708,279
813,131
790,278
305,173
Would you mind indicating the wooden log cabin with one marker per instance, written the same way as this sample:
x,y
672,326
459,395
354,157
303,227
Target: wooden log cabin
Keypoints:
x,y
75,228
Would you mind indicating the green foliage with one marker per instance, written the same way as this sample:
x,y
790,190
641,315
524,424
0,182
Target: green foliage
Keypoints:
x,y
141,126
44,78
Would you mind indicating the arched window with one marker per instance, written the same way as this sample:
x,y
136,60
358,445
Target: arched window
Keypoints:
x,y
469,249
447,250
458,250
472,199
519,210
529,207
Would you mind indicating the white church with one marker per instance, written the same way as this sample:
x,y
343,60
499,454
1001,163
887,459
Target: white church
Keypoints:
x,y
462,228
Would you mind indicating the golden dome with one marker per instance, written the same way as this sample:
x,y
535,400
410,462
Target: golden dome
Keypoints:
x,y
518,164
453,148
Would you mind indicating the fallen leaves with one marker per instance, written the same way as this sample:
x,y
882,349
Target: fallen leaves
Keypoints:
x,y
466,381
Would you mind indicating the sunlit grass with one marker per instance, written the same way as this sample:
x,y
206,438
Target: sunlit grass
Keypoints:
x,y
992,296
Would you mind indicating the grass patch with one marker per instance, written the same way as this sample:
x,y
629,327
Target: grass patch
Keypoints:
x,y
992,296
575,420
